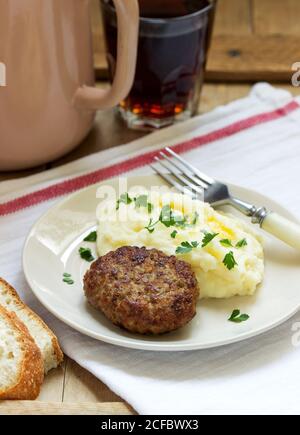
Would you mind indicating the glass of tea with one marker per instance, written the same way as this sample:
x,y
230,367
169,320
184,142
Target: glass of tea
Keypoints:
x,y
174,37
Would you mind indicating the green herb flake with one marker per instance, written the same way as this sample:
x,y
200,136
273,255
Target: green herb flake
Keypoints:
x,y
125,199
92,237
86,254
174,234
166,216
241,243
141,201
67,278
151,225
195,218
169,219
226,242
186,247
150,207
237,317
208,237
68,281
229,260
180,221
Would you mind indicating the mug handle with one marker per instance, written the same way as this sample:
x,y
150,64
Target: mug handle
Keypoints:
x,y
92,98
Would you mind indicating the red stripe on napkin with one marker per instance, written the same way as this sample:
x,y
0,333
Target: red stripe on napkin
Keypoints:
x,y
71,185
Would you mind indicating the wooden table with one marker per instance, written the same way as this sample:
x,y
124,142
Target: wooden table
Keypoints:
x,y
70,389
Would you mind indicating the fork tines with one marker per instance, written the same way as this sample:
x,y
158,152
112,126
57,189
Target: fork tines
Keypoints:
x,y
181,174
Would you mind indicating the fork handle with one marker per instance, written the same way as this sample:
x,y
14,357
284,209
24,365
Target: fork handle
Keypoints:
x,y
282,228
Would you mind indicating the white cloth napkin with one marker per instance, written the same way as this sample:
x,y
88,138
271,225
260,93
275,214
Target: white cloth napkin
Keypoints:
x,y
254,142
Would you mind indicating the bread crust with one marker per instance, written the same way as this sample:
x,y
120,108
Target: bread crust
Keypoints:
x,y
55,344
31,369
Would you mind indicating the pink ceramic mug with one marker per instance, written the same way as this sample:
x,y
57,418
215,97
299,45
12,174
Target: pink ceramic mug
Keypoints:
x,y
48,104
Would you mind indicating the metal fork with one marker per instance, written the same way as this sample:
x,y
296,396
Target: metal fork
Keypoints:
x,y
188,179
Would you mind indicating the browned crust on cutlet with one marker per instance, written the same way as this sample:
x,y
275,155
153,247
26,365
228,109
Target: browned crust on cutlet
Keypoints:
x,y
55,344
143,290
31,369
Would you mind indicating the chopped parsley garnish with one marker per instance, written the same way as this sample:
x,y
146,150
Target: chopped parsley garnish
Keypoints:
x,y
67,278
226,242
241,243
166,216
150,207
208,237
125,199
151,225
186,247
237,317
195,218
174,234
86,254
180,221
141,201
169,219
229,260
92,237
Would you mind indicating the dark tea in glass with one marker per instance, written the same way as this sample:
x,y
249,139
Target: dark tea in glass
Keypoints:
x,y
173,42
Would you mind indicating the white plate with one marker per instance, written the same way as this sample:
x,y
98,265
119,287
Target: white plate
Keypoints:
x,y
52,249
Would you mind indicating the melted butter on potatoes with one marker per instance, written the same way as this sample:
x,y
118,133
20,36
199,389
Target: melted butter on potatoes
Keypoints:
x,y
127,227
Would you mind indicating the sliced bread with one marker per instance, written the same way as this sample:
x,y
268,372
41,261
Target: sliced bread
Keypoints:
x,y
21,362
43,336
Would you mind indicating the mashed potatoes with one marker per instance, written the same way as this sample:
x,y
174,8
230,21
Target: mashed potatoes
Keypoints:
x,y
138,222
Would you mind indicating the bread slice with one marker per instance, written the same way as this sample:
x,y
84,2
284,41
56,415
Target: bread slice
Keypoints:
x,y
43,336
21,362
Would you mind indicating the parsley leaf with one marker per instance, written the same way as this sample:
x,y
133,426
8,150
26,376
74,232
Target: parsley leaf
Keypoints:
x,y
169,219
141,201
195,218
237,317
186,247
166,216
229,260
226,242
86,254
67,278
150,207
180,221
208,237
125,199
241,243
151,225
92,237
174,234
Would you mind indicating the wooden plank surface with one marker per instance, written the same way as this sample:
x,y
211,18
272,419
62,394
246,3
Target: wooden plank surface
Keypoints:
x,y
233,17
253,40
82,386
276,17
56,408
252,58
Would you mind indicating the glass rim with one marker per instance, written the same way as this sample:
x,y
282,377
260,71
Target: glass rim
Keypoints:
x,y
167,20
